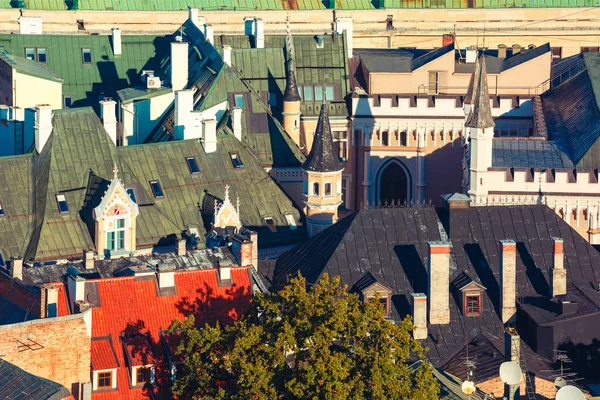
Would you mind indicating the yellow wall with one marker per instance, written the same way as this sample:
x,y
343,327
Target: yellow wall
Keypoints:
x,y
31,91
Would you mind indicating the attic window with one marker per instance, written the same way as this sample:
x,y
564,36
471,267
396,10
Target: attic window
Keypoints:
x,y
104,380
192,165
270,224
2,211
131,194
41,55
156,189
63,206
291,222
68,101
143,375
239,101
236,160
472,304
86,55
30,53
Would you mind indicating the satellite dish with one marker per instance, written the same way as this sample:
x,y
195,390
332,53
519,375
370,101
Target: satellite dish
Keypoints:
x,y
560,382
510,373
468,387
569,393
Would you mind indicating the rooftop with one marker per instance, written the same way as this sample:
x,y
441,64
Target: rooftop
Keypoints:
x,y
16,384
28,67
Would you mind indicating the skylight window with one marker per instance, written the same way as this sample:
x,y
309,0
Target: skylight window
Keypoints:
x,y
41,55
86,55
131,194
2,211
239,101
157,190
235,159
270,224
192,165
63,206
291,222
30,53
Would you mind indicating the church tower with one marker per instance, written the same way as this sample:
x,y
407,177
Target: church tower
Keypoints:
x,y
291,97
480,127
322,192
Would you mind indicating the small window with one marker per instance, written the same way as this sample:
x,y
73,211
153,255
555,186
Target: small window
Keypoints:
x,y
41,55
291,222
86,55
30,53
344,193
63,206
271,224
239,101
316,188
328,189
131,194
1,210
403,136
192,165
308,93
272,99
301,92
235,159
68,101
385,138
433,82
329,93
157,190
473,306
318,94
384,303
590,49
104,380
142,375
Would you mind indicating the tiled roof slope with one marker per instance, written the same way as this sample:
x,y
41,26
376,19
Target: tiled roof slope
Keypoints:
x,y
79,151
130,307
107,74
264,69
16,384
497,65
392,243
28,67
525,153
251,5
572,116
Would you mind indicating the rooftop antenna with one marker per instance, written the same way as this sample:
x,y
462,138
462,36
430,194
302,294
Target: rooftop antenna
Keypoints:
x,y
511,375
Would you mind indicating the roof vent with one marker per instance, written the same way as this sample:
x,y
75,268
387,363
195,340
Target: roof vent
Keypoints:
x,y
320,40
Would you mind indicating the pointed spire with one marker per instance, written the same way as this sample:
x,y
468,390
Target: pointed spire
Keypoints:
x,y
291,88
322,158
480,116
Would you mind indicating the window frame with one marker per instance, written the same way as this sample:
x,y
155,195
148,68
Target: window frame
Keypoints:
x,y
340,144
192,159
118,233
326,192
37,54
155,184
236,160
433,88
467,297
344,192
102,376
65,101
315,188
242,100
59,201
308,90
385,138
83,53
33,54
146,372
270,223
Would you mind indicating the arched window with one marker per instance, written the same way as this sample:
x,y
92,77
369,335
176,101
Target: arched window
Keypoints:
x,y
316,188
328,190
385,138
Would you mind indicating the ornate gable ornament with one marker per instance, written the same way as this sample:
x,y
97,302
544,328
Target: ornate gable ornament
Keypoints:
x,y
226,214
115,202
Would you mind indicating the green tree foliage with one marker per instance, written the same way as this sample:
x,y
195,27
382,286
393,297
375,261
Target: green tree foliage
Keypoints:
x,y
321,343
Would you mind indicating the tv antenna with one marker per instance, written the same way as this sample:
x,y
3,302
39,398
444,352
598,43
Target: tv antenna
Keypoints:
x,y
563,375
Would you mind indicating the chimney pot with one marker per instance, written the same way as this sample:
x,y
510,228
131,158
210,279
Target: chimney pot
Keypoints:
x,y
166,275
516,49
447,38
237,122
508,279
227,55
419,314
43,125
88,258
210,135
16,270
179,65
225,271
116,41
81,306
439,282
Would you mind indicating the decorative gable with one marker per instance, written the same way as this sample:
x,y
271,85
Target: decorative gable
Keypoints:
x,y
369,288
470,294
226,214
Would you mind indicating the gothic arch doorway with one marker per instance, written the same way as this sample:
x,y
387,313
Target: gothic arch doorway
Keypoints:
x,y
394,183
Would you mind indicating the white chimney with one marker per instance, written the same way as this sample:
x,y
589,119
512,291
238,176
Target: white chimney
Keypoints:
x,y
166,276
179,65
471,55
419,314
88,259
439,282
116,41
16,269
184,104
51,301
75,287
508,280
181,247
237,122
344,24
210,135
227,55
30,25
225,270
193,15
259,33
43,125
108,108
209,33
558,276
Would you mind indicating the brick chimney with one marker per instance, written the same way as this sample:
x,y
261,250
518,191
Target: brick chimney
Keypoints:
x,y
108,108
447,38
16,268
508,280
456,215
558,275
166,276
181,247
179,65
254,239
512,345
184,123
242,249
237,122
209,126
419,315
43,125
116,41
439,282
227,55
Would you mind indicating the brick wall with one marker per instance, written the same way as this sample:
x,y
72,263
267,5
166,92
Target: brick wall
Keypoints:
x,y
544,389
60,348
29,299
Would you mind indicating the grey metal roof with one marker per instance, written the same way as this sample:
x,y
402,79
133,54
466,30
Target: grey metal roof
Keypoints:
x,y
322,157
528,153
480,116
399,60
497,65
11,313
17,384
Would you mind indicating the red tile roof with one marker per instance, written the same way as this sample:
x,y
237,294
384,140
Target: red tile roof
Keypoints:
x,y
63,305
103,356
130,307
139,349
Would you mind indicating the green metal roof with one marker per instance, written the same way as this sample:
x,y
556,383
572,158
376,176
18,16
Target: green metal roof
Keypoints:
x,y
28,67
175,5
107,74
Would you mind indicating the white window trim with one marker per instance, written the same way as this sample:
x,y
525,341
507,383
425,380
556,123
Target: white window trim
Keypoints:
x,y
332,192
291,222
113,380
125,229
134,374
312,188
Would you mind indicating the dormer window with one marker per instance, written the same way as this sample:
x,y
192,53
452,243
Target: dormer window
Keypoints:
x,y
63,206
131,193
472,305
470,294
371,289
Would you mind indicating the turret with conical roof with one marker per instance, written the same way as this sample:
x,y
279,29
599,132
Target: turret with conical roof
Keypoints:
x,y
291,97
322,177
479,126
